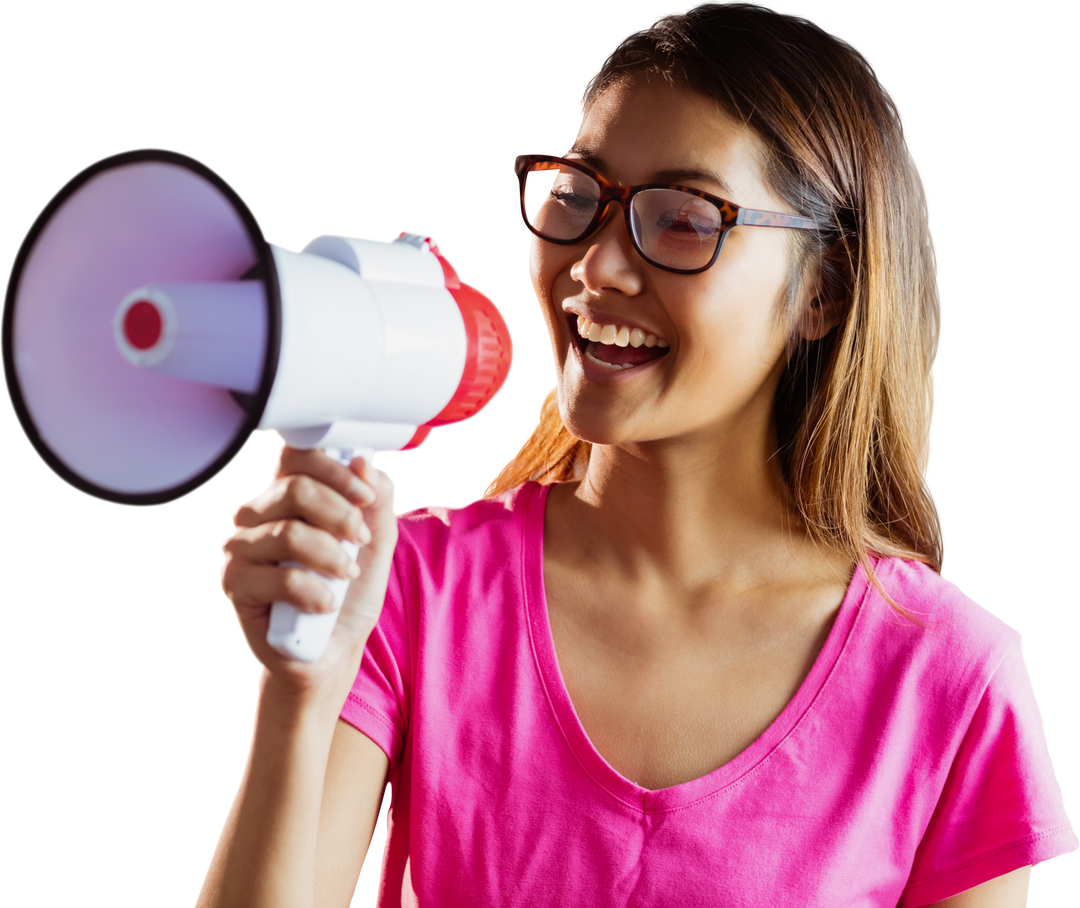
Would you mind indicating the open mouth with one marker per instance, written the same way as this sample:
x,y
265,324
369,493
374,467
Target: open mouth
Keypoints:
x,y
616,346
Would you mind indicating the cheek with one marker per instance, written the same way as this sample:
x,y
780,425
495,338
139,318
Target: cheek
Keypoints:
x,y
758,257
538,272
736,324
761,276
544,269
548,272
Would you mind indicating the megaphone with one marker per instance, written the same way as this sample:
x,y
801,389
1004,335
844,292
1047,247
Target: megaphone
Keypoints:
x,y
149,329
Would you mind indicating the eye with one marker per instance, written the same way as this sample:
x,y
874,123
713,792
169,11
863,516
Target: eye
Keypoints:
x,y
574,201
680,221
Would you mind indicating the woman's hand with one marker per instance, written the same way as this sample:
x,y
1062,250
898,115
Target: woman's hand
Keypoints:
x,y
313,504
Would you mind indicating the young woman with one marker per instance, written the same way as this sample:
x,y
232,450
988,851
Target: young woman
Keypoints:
x,y
693,648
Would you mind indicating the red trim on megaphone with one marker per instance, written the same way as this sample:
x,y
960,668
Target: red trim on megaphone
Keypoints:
x,y
490,353
450,276
421,433
489,360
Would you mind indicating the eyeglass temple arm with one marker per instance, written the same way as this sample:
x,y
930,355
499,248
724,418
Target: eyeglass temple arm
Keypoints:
x,y
752,217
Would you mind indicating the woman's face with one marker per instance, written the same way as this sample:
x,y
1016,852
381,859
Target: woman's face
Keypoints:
x,y
726,342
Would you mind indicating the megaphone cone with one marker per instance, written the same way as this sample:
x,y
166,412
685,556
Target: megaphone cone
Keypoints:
x,y
149,329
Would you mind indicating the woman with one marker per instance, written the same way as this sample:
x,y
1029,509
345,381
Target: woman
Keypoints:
x,y
693,648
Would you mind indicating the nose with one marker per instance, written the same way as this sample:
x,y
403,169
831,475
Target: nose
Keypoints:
x,y
610,262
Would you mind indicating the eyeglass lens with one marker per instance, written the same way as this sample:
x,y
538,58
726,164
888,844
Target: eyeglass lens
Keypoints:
x,y
671,228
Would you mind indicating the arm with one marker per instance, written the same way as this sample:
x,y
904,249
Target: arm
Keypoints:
x,y
352,795
1006,891
278,847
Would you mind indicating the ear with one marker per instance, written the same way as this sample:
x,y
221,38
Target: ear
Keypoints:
x,y
825,302
820,315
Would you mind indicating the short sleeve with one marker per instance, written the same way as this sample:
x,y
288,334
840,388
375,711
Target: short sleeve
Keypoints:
x,y
1000,807
378,704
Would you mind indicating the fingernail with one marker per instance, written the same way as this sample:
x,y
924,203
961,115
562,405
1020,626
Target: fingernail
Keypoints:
x,y
367,495
353,570
364,534
357,490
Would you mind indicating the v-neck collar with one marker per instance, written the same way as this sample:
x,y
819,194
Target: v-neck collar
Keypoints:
x,y
607,778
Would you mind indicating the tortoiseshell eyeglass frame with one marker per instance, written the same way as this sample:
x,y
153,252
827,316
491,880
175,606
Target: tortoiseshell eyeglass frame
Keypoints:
x,y
731,214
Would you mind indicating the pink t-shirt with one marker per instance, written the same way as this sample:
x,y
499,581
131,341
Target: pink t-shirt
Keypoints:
x,y
909,766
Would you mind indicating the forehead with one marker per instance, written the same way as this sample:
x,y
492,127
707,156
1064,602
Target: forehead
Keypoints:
x,y
641,131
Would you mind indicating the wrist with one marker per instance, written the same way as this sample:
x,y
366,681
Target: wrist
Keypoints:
x,y
306,701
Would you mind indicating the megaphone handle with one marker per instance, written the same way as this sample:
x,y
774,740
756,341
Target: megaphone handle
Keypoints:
x,y
302,635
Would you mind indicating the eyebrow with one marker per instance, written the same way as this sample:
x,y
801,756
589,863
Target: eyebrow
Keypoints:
x,y
675,175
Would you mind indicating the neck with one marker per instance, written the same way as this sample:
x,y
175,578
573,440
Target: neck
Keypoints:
x,y
693,507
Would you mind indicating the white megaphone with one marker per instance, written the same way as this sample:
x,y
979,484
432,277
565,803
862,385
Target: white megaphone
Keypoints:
x,y
149,329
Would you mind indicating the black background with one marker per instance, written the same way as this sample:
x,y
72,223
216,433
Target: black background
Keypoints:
x,y
130,690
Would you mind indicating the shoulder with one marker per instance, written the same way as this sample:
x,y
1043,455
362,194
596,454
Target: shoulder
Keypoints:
x,y
456,568
919,588
443,547
928,629
439,517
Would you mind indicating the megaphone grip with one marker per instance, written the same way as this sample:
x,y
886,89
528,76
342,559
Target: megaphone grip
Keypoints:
x,y
304,636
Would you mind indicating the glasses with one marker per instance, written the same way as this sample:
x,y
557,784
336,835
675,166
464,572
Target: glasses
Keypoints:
x,y
672,227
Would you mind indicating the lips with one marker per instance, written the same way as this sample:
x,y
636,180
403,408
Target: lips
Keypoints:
x,y
610,364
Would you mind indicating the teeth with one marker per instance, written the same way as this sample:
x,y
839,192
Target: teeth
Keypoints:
x,y
620,335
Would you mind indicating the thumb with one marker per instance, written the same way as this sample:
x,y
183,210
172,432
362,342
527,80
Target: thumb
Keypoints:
x,y
379,513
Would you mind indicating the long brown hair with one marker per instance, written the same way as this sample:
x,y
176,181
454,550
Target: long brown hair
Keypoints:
x,y
852,410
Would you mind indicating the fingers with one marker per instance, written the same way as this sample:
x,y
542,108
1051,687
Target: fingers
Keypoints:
x,y
296,524
253,586
295,527
379,513
302,497
271,563
293,541
327,471
313,463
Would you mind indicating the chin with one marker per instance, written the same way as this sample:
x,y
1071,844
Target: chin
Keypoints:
x,y
594,423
